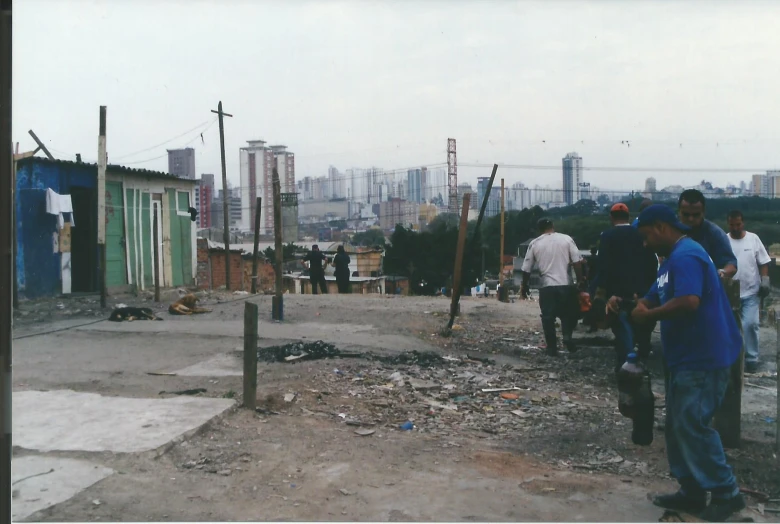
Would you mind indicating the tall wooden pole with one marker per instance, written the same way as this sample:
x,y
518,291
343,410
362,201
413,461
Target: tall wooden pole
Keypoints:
x,y
225,197
101,198
156,240
258,208
777,367
250,355
462,231
278,300
501,247
6,263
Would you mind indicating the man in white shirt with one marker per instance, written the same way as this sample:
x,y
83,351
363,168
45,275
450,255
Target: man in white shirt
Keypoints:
x,y
552,254
753,275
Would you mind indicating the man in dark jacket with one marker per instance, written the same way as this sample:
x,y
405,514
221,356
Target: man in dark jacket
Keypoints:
x,y
317,262
627,270
691,207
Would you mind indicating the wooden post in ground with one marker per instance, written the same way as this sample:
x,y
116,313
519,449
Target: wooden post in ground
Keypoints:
x,y
257,241
277,308
6,264
225,196
462,231
728,419
101,198
156,240
250,355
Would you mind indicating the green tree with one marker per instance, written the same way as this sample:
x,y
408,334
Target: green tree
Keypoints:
x,y
370,237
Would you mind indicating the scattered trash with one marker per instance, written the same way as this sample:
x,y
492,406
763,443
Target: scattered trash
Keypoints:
x,y
407,426
365,432
509,396
289,397
300,350
240,292
60,306
32,476
457,327
296,357
120,305
224,472
769,420
345,492
96,502
184,392
160,374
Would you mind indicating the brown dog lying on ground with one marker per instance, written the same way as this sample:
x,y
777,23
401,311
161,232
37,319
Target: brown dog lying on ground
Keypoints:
x,y
187,305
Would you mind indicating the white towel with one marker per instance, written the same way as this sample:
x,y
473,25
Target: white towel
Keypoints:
x,y
57,204
52,202
66,206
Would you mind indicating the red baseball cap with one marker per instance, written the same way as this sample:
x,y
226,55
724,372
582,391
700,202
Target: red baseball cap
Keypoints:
x,y
620,206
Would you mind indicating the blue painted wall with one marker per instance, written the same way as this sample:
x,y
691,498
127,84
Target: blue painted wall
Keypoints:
x,y
37,264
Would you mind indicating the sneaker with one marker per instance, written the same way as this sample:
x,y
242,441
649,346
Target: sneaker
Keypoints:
x,y
570,345
721,509
752,367
681,502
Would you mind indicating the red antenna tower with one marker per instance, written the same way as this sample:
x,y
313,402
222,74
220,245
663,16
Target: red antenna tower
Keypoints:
x,y
452,176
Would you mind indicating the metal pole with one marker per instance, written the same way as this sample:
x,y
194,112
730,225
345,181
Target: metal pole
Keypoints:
x,y
501,248
257,241
101,198
6,262
250,355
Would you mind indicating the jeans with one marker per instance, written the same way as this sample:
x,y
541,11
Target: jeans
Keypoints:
x,y
693,448
318,278
628,334
749,309
558,302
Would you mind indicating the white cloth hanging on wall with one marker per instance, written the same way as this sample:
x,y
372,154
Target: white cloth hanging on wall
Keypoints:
x,y
57,204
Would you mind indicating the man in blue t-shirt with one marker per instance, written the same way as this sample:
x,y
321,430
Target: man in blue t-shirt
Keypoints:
x,y
701,341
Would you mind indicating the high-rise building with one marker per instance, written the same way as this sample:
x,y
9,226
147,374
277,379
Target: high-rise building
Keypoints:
x,y
462,190
768,185
234,213
416,184
338,187
257,162
494,199
572,178
650,185
181,162
204,197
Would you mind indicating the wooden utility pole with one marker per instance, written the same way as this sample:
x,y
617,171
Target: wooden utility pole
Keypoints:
x,y
278,300
250,355
501,247
464,225
6,262
101,198
728,419
225,198
156,240
777,367
257,241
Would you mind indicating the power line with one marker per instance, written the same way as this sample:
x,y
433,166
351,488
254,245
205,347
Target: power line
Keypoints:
x,y
165,142
625,169
166,153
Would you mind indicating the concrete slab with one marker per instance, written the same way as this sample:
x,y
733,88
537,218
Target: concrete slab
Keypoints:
x,y
65,420
34,493
225,365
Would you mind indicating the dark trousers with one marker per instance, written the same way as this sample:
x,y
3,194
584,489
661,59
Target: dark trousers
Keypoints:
x,y
318,279
343,283
558,302
693,448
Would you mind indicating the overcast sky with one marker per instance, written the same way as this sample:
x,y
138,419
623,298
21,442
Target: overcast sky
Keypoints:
x,y
354,84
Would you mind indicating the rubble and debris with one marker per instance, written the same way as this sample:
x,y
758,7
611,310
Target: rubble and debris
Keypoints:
x,y
365,432
195,391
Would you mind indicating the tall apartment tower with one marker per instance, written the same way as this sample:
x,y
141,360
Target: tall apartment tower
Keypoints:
x,y
650,185
572,178
181,162
204,197
257,162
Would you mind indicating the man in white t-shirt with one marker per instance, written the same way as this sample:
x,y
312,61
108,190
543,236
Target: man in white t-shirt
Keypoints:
x,y
552,254
753,275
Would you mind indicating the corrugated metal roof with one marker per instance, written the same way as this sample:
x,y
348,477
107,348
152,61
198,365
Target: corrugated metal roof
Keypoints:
x,y
111,167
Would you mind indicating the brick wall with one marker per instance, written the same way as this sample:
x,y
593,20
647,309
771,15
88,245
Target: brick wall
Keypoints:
x,y
218,270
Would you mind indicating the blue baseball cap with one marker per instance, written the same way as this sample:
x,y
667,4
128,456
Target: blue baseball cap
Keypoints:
x,y
660,213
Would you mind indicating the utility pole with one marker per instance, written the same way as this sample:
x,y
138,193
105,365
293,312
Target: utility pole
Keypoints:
x,y
225,198
501,248
156,266
101,198
277,308
258,208
40,145
456,285
6,261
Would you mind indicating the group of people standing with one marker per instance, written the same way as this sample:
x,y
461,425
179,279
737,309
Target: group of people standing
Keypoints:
x,y
316,262
668,267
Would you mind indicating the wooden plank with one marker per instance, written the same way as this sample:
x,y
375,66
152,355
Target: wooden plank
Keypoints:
x,y
250,355
462,231
728,419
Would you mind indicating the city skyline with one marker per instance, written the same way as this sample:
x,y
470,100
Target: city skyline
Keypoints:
x,y
511,95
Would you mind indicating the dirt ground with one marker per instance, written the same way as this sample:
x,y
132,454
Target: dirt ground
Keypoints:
x,y
559,451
